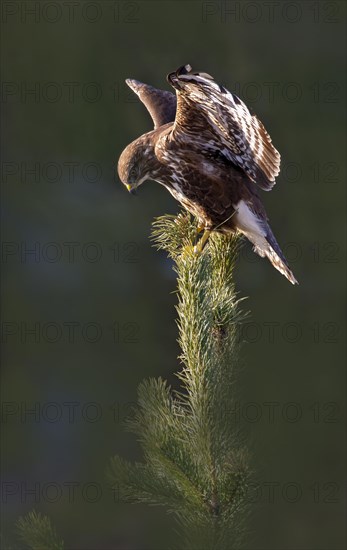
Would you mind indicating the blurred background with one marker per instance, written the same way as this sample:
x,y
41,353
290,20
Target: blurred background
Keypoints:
x,y
88,306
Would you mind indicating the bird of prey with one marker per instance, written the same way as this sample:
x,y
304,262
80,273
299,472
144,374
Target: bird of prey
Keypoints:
x,y
212,154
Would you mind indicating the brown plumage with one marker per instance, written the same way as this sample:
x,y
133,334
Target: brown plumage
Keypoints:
x,y
212,154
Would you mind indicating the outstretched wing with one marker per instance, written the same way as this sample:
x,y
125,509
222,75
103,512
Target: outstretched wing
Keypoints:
x,y
160,104
206,109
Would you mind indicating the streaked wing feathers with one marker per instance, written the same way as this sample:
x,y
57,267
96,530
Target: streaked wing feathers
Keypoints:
x,y
236,133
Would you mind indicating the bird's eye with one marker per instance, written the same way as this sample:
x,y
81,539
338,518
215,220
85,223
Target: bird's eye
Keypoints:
x,y
133,174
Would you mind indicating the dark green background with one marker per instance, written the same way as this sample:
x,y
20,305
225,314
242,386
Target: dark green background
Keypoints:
x,y
298,52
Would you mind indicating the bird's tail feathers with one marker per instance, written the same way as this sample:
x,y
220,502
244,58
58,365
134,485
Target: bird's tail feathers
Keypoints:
x,y
258,231
269,247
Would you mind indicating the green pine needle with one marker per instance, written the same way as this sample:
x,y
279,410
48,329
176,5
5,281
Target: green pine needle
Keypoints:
x,y
195,463
194,460
37,532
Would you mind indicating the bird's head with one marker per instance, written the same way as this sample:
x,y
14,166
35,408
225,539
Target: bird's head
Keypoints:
x,y
135,164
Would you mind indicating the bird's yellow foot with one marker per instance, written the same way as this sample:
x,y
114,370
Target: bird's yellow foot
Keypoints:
x,y
199,247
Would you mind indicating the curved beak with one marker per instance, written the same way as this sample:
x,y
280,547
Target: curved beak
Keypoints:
x,y
132,190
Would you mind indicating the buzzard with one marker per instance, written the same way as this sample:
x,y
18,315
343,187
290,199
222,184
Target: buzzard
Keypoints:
x,y
212,154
